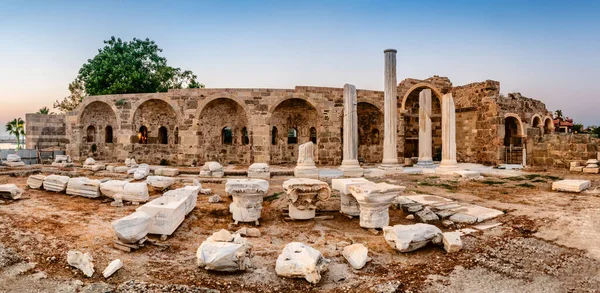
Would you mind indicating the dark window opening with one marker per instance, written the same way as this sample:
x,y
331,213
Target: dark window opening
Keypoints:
x,y
226,135
163,136
108,134
313,135
91,134
176,135
274,135
292,136
143,135
245,137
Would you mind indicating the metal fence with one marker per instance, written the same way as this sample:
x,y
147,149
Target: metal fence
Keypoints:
x,y
31,156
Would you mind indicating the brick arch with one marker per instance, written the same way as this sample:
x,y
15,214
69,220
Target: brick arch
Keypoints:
x,y
144,100
520,125
422,85
90,102
203,102
538,116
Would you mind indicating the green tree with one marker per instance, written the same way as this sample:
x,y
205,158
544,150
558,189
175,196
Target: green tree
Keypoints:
x,y
558,114
44,111
594,130
132,67
16,127
577,127
74,99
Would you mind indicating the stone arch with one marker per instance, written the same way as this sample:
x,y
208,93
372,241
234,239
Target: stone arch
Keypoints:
x,y
100,115
298,114
154,114
370,125
536,121
216,116
521,130
410,121
204,102
548,125
513,130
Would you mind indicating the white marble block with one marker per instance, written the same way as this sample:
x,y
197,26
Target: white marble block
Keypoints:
x,y
259,171
167,212
348,204
56,183
306,162
303,194
224,252
374,200
13,158
570,185
62,159
452,242
130,162
83,186
81,261
187,193
89,161
247,196
112,267
406,238
36,181
171,172
299,260
212,169
10,191
160,183
94,168
356,255
132,228
142,171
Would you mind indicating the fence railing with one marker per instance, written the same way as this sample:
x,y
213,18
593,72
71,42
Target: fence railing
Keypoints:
x,y
31,156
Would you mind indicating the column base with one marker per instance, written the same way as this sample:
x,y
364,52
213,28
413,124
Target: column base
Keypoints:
x,y
303,172
448,164
425,163
351,170
391,168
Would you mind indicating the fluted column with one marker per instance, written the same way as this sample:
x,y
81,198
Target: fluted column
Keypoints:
x,y
425,157
448,132
390,152
350,164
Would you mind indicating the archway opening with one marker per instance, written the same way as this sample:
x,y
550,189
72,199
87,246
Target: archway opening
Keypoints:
x,y
548,126
411,124
108,134
370,123
297,117
512,132
91,134
163,135
143,135
155,115
226,135
537,122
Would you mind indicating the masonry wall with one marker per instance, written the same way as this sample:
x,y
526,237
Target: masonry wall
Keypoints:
x,y
558,150
43,131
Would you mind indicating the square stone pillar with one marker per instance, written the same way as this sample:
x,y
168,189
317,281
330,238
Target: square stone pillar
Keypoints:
x,y
425,157
350,165
448,132
390,113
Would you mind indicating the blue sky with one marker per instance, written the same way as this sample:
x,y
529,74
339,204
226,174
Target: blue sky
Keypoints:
x,y
547,50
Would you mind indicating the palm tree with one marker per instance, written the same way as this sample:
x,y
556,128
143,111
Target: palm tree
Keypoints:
x,y
44,111
16,127
558,114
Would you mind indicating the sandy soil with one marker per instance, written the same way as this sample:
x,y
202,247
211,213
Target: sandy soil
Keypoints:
x,y
548,243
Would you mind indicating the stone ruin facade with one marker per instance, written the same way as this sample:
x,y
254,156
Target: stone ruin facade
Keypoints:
x,y
246,126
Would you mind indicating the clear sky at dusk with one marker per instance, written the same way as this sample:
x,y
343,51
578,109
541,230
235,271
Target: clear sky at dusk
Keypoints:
x,y
547,50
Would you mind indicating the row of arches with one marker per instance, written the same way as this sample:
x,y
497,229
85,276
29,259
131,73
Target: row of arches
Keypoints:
x,y
90,136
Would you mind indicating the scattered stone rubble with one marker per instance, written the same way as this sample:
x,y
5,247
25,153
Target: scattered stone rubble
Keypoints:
x,y
83,186
36,181
259,171
224,252
81,261
171,172
212,169
303,194
13,160
426,207
570,185
356,255
56,183
10,191
247,198
407,238
160,183
112,267
62,161
132,228
299,260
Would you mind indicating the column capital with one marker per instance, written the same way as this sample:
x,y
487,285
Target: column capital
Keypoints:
x,y
390,51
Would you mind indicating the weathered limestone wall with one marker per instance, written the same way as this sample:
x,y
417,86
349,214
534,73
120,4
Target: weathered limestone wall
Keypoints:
x,y
45,131
559,149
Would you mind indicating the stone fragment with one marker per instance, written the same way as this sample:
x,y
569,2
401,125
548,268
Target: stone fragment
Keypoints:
x,y
452,242
591,170
299,260
136,192
406,238
62,159
410,217
160,183
303,194
463,219
188,193
574,164
249,232
447,223
141,172
13,158
247,198
356,255
577,169
412,208
132,228
570,185
36,181
130,162
56,183
89,161
169,210
94,168
112,268
83,186
427,216
63,165
467,174
212,169
374,200
81,261
306,162
224,252
10,191
112,187
206,191
214,199
171,172
259,171
121,169
348,204
482,227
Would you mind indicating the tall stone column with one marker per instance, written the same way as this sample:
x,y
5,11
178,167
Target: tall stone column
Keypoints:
x,y
448,132
350,165
425,158
390,151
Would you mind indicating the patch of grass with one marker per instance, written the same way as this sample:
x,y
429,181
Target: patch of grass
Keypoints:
x,y
448,186
526,185
539,181
492,182
516,178
532,176
272,197
553,178
426,184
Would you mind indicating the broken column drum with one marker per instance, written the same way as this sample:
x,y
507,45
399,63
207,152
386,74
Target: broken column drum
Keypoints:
x,y
425,156
247,196
303,194
374,200
306,162
348,204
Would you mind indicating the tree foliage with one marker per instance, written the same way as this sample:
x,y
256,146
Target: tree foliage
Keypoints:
x,y
124,68
44,111
558,114
577,127
16,127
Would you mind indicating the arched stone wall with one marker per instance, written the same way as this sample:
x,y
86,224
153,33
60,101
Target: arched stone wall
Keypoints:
x,y
536,121
548,125
99,115
410,122
370,133
154,114
292,113
214,117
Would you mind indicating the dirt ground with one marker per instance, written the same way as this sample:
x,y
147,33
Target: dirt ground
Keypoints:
x,y
549,242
